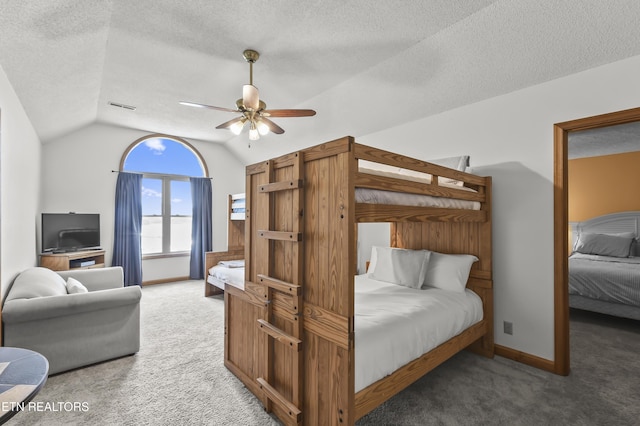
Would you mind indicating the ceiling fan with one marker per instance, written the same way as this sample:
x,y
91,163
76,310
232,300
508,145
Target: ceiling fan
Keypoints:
x,y
253,110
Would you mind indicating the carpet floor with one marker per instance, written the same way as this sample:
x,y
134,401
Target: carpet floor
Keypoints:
x,y
178,378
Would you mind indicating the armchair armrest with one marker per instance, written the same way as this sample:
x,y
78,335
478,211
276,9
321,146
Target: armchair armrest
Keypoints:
x,y
97,278
40,308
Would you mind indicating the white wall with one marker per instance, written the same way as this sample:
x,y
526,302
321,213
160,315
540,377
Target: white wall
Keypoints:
x,y
20,185
511,138
76,176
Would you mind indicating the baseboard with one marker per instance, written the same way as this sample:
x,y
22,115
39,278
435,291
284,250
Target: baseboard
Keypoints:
x,y
165,280
525,358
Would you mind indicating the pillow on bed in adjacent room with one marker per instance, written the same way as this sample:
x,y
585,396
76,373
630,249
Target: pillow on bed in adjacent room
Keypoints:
x,y
404,267
449,271
614,245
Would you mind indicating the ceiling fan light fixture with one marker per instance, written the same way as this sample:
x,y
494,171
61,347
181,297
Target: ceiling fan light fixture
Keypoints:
x,y
236,128
253,109
254,135
263,129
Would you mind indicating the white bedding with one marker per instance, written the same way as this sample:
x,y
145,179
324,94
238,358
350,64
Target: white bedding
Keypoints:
x,y
395,325
220,274
376,196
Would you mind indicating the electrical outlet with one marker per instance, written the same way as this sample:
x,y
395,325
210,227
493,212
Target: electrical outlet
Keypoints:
x,y
508,327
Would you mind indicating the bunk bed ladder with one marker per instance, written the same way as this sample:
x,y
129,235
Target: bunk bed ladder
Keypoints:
x,y
284,300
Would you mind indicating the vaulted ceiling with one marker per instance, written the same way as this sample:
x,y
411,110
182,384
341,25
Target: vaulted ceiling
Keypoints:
x,y
363,66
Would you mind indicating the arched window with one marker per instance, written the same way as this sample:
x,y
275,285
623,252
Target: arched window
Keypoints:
x,y
166,163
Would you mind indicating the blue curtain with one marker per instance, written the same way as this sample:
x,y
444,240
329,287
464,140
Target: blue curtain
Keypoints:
x,y
127,245
201,233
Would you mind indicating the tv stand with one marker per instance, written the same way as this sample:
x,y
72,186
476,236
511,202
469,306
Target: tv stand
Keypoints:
x,y
73,260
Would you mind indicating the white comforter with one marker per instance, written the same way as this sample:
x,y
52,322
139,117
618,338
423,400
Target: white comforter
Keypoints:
x,y
220,275
395,324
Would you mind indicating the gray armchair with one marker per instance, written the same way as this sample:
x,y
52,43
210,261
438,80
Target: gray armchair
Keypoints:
x,y
73,330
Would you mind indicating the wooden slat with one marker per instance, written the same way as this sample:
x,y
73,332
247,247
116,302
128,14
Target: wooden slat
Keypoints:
x,y
327,325
328,149
279,285
257,168
293,412
279,335
281,186
479,283
283,310
394,159
393,213
281,235
386,183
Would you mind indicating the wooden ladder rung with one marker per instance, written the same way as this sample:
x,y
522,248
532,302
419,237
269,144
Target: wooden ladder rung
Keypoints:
x,y
281,186
294,413
283,286
282,337
281,235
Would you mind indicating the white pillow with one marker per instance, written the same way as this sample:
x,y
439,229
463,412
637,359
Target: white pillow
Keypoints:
x,y
74,286
449,271
404,267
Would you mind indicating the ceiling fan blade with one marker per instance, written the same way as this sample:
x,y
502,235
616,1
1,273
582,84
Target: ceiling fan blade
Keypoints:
x,y
193,104
228,124
250,97
272,126
288,113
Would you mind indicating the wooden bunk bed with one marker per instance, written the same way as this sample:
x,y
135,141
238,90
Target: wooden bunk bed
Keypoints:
x,y
235,243
289,336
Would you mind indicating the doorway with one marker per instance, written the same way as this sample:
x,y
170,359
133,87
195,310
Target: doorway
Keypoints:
x,y
561,224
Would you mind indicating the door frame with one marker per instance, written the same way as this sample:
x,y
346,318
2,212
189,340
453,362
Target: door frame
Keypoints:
x,y
561,223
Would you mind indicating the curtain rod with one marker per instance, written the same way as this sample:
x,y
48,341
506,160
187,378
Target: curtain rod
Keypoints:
x,y
158,174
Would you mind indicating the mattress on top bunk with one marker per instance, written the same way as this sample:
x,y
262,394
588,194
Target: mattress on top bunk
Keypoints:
x,y
376,196
222,274
395,325
611,279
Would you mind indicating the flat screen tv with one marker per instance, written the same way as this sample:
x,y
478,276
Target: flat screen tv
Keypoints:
x,y
65,232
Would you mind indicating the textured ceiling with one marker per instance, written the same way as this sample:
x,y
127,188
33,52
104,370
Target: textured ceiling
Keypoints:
x,y
363,66
610,140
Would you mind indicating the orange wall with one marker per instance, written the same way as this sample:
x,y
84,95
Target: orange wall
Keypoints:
x,y
602,185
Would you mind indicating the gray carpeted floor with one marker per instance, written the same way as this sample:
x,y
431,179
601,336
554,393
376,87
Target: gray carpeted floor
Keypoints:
x,y
178,378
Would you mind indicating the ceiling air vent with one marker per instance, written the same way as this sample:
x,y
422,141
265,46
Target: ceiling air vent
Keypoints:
x,y
129,107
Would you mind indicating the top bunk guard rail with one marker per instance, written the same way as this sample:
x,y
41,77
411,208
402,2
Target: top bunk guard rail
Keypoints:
x,y
365,212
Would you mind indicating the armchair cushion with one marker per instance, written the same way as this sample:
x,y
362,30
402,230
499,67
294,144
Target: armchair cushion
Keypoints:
x,y
37,282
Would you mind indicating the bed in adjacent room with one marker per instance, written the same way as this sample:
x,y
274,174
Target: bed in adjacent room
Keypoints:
x,y
604,268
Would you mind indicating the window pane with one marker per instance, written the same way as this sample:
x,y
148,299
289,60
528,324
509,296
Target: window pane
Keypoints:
x,y
151,216
180,233
151,234
164,156
180,198
180,215
151,197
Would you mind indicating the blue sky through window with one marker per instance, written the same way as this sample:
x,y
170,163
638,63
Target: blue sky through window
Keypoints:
x,y
164,156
